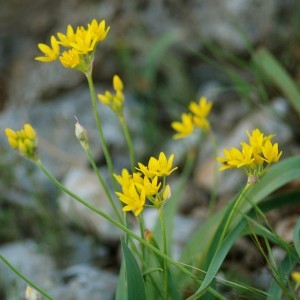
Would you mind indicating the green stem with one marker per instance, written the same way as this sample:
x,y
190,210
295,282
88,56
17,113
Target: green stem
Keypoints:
x,y
129,142
165,251
142,233
232,212
28,281
104,186
99,126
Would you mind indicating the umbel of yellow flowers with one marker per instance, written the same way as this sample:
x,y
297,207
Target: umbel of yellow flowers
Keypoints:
x,y
24,141
255,157
196,118
75,48
146,184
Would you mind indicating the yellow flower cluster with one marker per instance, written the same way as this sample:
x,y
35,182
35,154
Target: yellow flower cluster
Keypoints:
x,y
79,46
24,140
197,117
114,101
254,158
145,184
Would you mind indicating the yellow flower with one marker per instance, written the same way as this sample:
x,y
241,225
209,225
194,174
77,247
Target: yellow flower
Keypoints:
x,y
67,39
196,118
236,158
134,201
255,157
150,186
24,140
183,128
98,30
270,152
143,185
79,46
50,53
70,59
85,42
201,109
161,166
124,179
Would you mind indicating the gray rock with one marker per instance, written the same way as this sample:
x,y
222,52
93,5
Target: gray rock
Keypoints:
x,y
85,184
27,258
84,282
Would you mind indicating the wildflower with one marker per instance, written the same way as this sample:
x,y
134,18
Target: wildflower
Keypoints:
x,y
67,39
270,152
84,42
133,200
150,186
51,53
197,118
70,59
159,167
24,140
201,109
114,101
185,127
98,30
145,184
254,158
79,44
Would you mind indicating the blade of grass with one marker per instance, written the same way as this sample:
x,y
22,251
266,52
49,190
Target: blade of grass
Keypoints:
x,y
135,281
274,71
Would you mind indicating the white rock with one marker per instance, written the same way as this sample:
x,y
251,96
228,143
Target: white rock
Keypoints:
x,y
85,184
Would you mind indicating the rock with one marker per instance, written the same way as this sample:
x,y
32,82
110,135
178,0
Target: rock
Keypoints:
x,y
85,184
231,23
84,282
27,258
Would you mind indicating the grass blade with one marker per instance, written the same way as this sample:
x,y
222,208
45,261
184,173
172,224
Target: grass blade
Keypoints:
x,y
274,71
135,281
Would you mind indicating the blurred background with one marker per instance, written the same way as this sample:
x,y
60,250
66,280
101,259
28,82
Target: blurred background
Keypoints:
x,y
167,53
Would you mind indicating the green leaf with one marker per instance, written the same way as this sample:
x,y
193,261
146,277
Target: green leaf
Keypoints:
x,y
135,281
271,67
121,291
297,237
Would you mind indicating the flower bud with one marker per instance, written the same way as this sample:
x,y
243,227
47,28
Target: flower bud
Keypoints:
x,y
81,135
167,193
23,140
